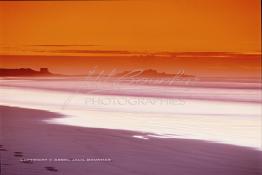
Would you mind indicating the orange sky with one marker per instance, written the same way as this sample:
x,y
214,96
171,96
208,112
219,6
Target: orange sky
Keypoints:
x,y
140,27
178,25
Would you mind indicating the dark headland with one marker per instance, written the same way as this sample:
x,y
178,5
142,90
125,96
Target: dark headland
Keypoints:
x,y
151,73
26,72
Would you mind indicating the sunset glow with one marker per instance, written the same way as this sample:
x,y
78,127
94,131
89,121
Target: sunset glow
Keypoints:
x,y
112,33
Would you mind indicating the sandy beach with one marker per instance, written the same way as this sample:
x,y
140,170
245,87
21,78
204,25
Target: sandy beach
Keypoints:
x,y
25,136
232,121
54,131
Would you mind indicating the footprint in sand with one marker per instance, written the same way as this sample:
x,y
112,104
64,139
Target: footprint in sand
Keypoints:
x,y
50,168
18,154
2,148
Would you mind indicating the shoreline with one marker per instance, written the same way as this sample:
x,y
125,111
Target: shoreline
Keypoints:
x,y
231,123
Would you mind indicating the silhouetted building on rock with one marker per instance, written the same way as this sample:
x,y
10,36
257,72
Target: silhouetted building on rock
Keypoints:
x,y
25,72
44,71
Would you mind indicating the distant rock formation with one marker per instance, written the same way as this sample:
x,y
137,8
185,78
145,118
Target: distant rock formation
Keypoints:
x,y
44,71
151,73
25,72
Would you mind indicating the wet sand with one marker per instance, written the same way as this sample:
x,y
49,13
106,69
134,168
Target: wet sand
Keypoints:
x,y
24,136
